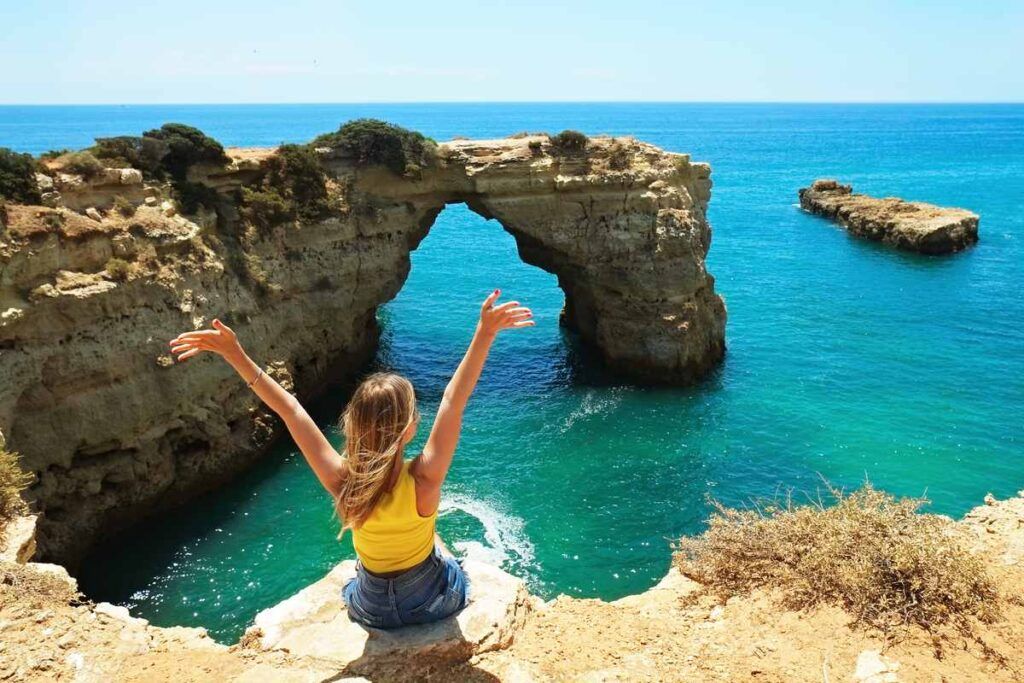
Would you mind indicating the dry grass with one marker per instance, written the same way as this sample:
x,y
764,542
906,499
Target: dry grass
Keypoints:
x,y
29,587
13,480
878,557
118,269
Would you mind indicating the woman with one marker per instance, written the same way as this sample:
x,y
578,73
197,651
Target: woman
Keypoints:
x,y
389,503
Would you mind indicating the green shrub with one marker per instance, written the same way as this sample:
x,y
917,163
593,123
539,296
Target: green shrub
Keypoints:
x,y
536,147
84,164
54,154
13,480
186,146
118,269
295,174
874,555
569,142
18,177
124,207
143,153
191,196
266,208
375,142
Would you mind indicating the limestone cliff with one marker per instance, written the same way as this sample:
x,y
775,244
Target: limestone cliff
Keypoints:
x,y
93,284
914,226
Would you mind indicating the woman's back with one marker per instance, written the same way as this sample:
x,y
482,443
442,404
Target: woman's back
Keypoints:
x,y
395,537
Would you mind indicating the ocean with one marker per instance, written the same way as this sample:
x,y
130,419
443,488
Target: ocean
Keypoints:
x,y
847,361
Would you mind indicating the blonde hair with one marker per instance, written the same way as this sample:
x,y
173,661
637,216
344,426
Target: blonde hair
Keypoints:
x,y
374,423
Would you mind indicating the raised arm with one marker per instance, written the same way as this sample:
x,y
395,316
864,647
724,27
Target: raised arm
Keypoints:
x,y
319,453
432,465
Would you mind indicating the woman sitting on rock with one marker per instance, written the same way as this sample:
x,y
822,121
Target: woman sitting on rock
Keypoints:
x,y
403,575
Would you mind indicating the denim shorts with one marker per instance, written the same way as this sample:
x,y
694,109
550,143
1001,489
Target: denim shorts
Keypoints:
x,y
432,590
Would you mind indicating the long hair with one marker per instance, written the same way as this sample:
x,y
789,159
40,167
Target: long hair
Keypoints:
x,y
374,423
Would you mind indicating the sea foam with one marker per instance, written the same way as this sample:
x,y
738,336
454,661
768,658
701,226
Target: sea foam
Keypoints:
x,y
505,542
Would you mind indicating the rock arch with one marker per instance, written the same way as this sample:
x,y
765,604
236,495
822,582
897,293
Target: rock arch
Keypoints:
x,y
627,246
115,430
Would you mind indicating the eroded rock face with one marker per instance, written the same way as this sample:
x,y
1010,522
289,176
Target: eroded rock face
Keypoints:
x,y
914,226
115,430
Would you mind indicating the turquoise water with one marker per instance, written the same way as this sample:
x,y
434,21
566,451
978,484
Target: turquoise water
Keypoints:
x,y
845,359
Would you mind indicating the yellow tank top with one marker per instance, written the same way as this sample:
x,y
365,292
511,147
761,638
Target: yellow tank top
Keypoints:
x,y
395,537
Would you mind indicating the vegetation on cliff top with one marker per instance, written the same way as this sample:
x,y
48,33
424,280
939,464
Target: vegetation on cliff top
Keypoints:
x,y
167,152
13,480
375,142
876,556
84,164
569,142
17,177
292,186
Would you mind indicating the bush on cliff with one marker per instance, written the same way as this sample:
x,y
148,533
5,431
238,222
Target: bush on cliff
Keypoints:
x,y
83,164
292,186
124,207
13,480
569,142
878,557
167,150
375,142
143,153
265,208
18,177
191,196
295,172
186,146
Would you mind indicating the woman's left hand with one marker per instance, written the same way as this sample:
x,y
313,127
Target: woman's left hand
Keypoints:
x,y
510,315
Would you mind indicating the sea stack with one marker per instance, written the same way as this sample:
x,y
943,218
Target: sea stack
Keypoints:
x,y
913,226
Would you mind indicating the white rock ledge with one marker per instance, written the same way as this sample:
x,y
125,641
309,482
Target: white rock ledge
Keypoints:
x,y
314,623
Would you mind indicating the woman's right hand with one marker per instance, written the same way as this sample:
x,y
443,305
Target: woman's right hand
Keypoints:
x,y
220,340
510,315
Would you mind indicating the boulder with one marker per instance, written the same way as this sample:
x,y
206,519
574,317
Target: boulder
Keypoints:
x,y
44,182
18,539
314,623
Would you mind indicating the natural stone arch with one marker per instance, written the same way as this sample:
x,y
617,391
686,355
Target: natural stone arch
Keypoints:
x,y
115,430
627,246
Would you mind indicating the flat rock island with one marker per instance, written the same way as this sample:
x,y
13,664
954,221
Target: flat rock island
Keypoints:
x,y
913,226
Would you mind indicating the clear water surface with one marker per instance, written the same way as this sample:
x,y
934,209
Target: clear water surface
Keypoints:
x,y
845,359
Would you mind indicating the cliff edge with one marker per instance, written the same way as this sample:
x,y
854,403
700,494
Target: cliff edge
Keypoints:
x,y
675,631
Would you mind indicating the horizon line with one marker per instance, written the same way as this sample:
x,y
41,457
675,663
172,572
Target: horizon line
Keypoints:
x,y
509,102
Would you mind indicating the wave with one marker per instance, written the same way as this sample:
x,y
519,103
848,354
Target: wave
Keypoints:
x,y
505,541
593,403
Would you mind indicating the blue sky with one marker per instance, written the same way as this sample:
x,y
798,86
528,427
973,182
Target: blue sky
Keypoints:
x,y
397,50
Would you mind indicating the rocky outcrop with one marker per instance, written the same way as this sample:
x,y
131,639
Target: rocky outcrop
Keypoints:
x,y
914,226
315,624
676,631
93,286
